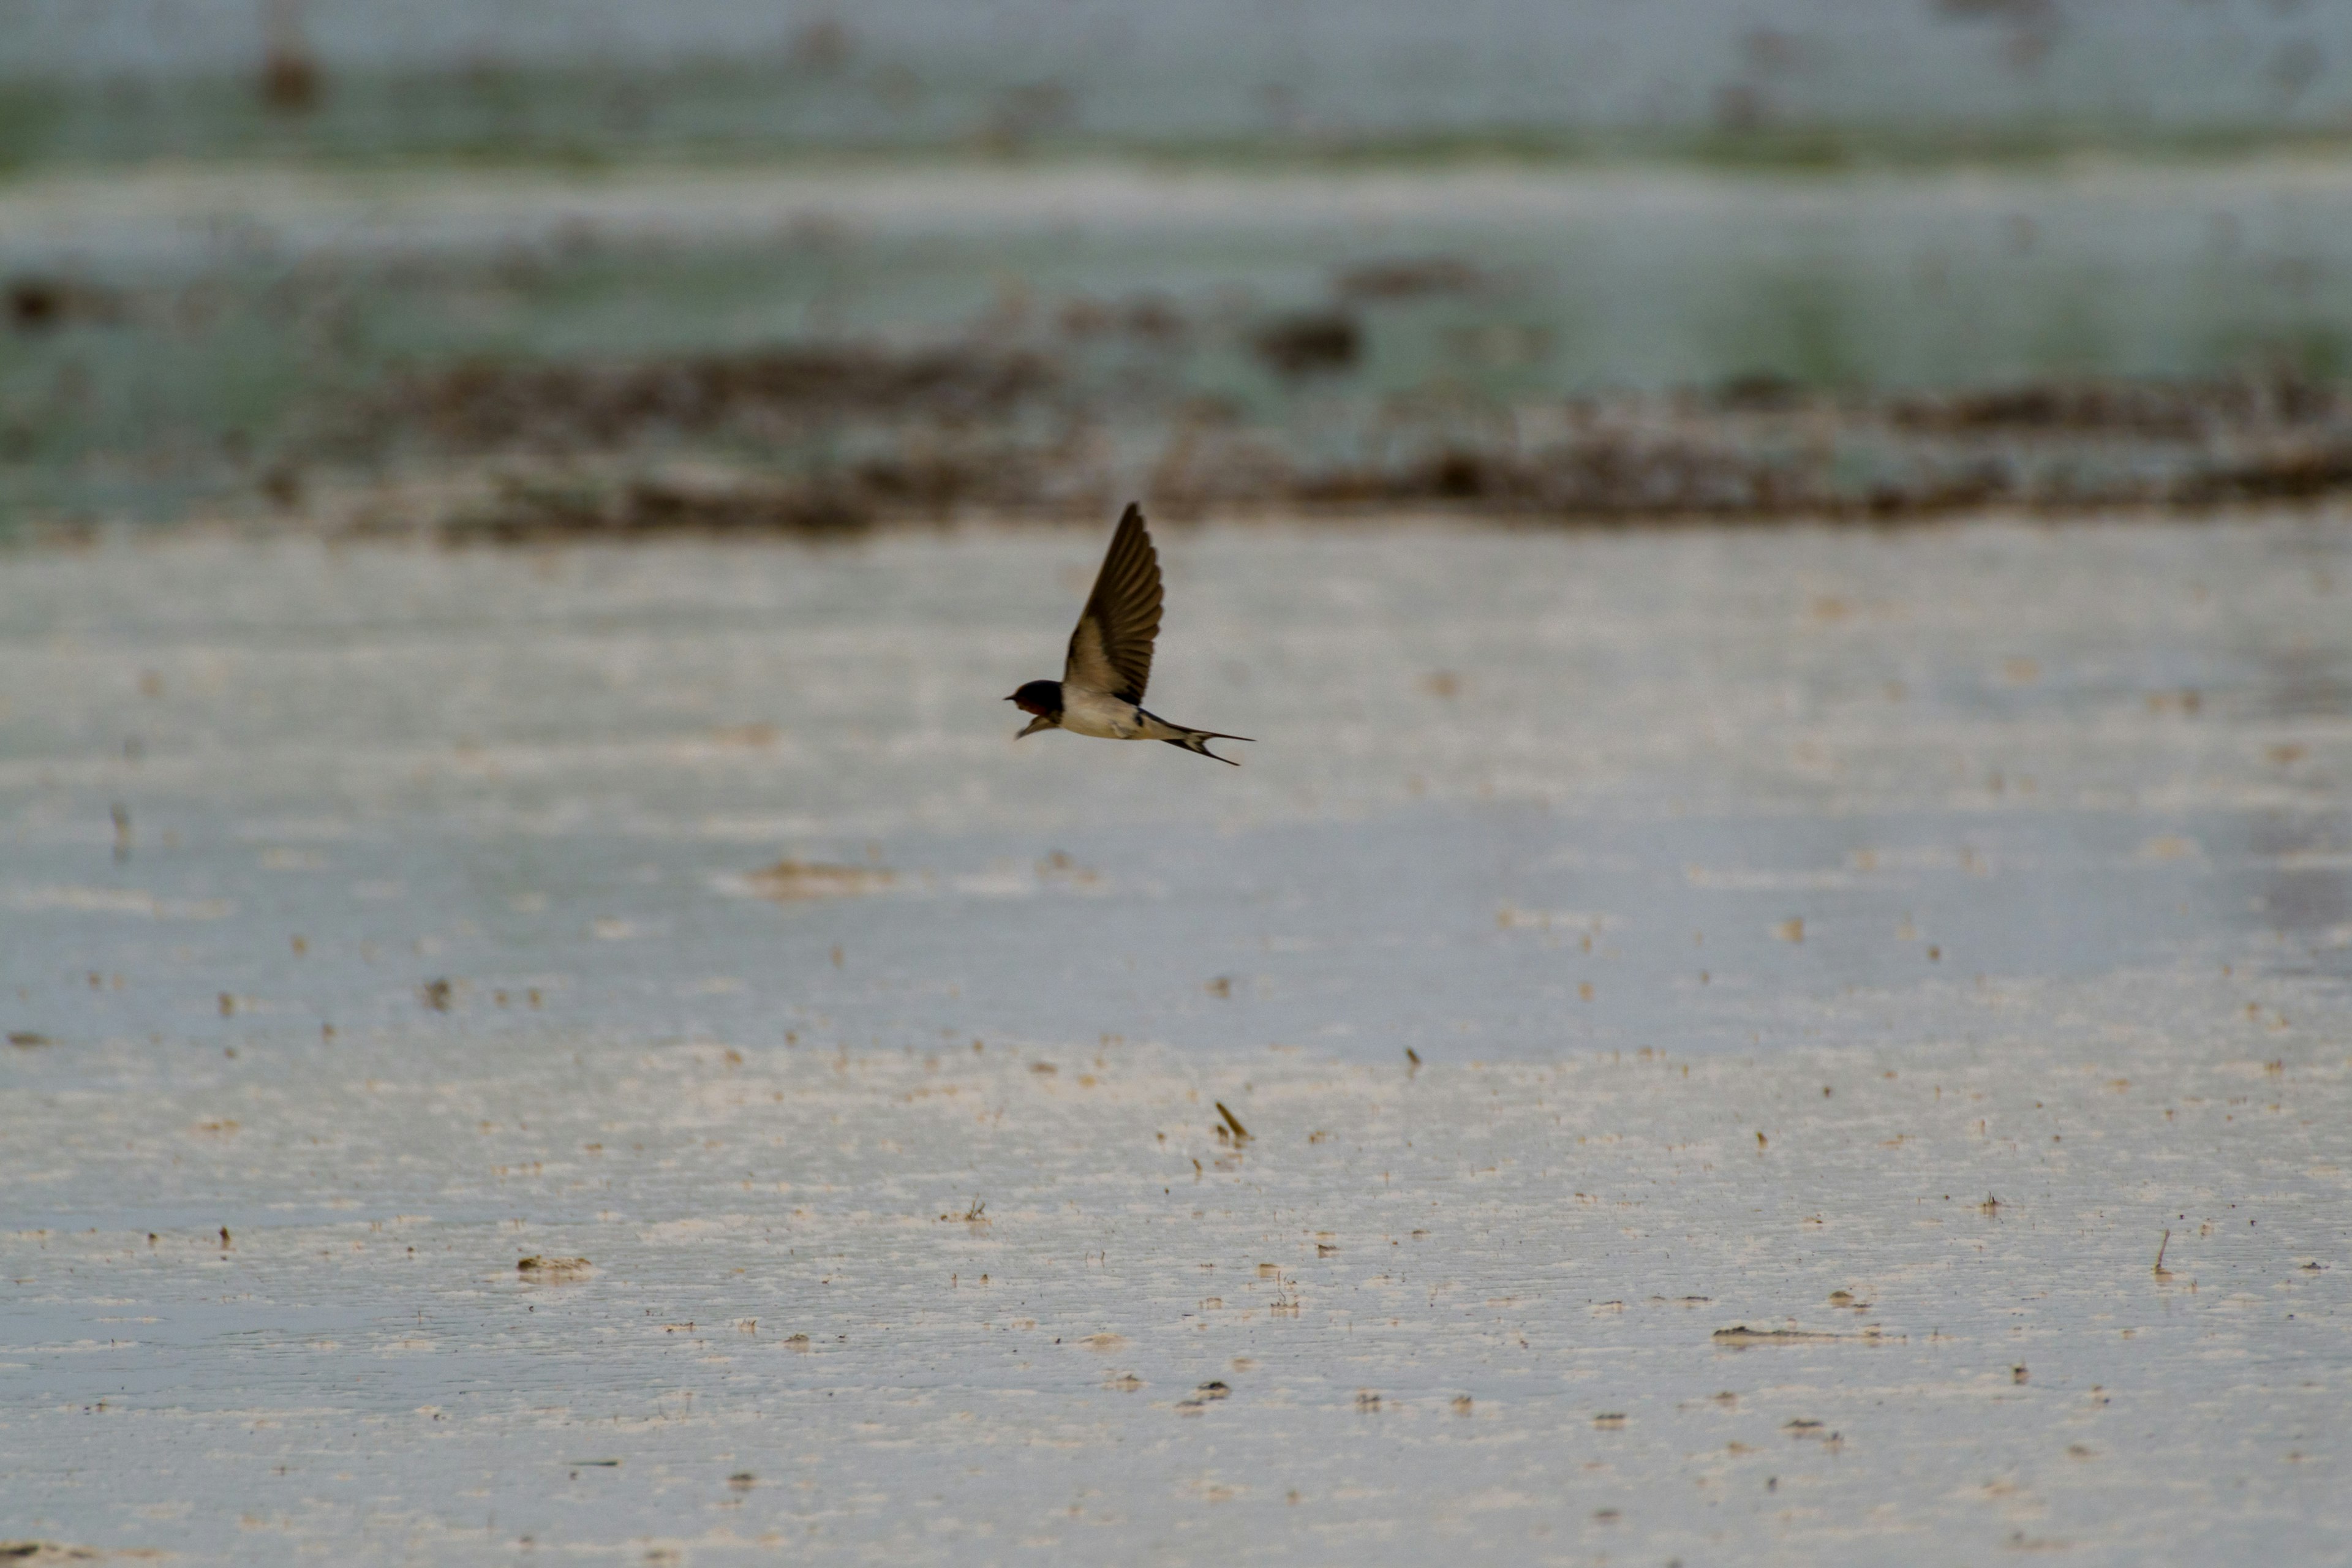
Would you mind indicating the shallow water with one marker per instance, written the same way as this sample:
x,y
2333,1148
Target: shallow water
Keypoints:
x,y
1903,870
1515,766
579,78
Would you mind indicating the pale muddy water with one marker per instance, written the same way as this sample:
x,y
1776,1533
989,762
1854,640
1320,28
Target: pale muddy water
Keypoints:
x,y
1936,918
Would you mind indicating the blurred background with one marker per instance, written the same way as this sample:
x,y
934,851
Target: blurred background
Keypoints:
x,y
507,268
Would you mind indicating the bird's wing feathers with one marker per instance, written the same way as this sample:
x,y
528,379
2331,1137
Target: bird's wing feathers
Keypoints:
x,y
1111,649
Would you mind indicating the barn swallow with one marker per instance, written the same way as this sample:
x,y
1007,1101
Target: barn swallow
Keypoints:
x,y
1101,690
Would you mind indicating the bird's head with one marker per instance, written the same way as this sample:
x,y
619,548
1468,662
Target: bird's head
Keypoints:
x,y
1043,699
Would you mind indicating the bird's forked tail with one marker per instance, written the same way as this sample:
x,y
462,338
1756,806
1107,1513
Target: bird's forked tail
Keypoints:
x,y
1197,742
1155,728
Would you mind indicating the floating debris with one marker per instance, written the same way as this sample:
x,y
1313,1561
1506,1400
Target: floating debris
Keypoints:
x,y
553,1270
40,303
1740,1334
789,881
1202,1398
1315,343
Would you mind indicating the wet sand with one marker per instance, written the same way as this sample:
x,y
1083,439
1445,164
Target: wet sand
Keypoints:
x,y
1830,963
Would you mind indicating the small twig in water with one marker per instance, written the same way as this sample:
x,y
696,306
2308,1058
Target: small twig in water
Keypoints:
x,y
1240,1131
2161,1271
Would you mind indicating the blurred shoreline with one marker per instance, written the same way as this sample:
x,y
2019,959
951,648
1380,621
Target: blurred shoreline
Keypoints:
x,y
801,347
571,268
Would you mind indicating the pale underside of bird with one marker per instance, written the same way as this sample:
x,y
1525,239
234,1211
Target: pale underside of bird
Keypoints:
x,y
1101,690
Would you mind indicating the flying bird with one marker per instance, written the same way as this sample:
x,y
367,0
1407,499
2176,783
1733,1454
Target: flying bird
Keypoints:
x,y
1101,690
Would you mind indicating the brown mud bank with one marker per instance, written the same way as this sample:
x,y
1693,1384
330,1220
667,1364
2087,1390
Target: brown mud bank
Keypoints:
x,y
829,440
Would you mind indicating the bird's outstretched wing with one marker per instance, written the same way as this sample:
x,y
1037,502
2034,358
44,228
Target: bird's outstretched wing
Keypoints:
x,y
1111,649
